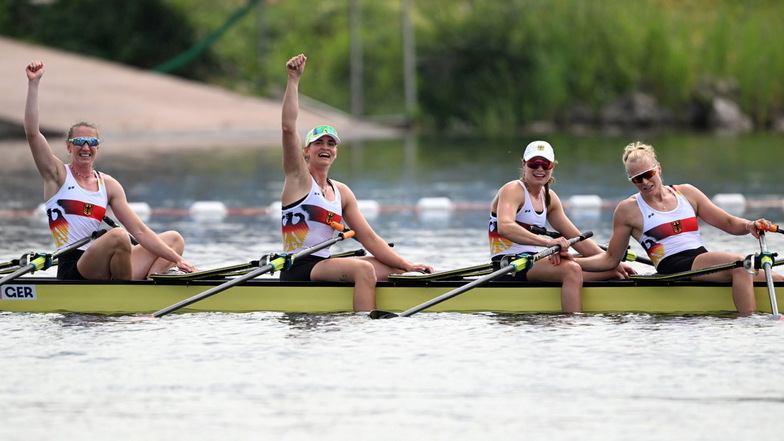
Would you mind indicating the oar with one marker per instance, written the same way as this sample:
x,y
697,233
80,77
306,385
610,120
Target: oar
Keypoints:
x,y
522,263
766,258
630,256
276,264
43,261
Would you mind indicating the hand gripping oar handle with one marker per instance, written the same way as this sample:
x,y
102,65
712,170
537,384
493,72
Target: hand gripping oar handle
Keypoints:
x,y
766,259
42,261
523,263
277,264
630,256
773,229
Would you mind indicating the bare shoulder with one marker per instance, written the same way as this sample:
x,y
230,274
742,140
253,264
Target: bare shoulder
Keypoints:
x,y
627,207
689,191
345,191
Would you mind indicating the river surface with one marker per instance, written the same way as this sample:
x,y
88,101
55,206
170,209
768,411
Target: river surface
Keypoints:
x,y
432,376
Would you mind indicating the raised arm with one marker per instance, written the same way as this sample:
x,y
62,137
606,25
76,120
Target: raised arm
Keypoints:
x,y
49,166
297,177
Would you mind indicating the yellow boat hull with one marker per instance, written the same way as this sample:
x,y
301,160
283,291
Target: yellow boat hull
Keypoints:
x,y
47,295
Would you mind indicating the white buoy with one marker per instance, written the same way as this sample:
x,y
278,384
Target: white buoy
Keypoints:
x,y
585,206
40,214
208,210
732,203
434,209
275,210
369,208
142,209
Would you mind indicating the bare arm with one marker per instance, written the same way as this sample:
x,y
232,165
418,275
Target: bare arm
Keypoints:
x,y
368,238
146,237
557,218
510,197
715,216
297,177
623,219
51,169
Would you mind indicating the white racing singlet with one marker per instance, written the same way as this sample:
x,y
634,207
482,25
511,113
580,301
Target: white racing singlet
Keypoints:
x,y
306,223
526,216
75,213
669,232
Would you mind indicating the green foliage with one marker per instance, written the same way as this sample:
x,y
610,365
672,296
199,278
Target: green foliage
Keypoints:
x,y
489,66
141,33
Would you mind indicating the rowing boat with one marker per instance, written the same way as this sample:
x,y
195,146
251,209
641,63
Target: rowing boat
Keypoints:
x,y
48,295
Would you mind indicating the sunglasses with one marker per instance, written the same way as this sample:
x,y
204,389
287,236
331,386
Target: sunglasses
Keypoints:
x,y
81,140
321,130
647,174
535,163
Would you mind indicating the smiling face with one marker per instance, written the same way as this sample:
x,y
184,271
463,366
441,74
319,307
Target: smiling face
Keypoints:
x,y
537,170
82,153
323,150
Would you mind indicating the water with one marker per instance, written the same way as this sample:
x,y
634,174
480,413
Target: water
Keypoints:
x,y
432,376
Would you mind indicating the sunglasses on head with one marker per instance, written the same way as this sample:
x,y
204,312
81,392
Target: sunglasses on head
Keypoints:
x,y
324,129
647,174
535,163
81,140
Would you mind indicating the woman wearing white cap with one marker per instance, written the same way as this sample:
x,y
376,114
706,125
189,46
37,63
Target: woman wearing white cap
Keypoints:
x,y
664,219
311,200
529,201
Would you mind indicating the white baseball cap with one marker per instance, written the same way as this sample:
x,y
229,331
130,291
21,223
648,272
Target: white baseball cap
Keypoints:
x,y
539,148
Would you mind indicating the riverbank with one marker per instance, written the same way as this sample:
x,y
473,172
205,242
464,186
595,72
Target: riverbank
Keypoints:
x,y
139,111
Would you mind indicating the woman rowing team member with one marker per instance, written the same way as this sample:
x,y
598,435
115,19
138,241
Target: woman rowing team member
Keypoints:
x,y
77,197
529,201
664,219
311,201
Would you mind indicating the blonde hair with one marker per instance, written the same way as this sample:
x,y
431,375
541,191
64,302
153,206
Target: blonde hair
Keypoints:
x,y
636,151
69,135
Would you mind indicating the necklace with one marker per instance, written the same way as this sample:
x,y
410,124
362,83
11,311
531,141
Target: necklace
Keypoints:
x,y
79,174
324,187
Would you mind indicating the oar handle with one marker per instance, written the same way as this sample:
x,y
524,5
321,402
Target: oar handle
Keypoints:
x,y
42,261
526,261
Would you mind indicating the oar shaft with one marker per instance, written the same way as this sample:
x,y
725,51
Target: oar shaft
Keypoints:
x,y
36,263
212,291
511,267
767,265
276,263
458,291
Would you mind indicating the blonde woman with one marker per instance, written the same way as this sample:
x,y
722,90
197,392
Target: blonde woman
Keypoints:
x,y
664,220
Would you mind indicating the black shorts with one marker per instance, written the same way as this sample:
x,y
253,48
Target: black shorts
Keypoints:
x,y
66,265
679,262
519,276
300,270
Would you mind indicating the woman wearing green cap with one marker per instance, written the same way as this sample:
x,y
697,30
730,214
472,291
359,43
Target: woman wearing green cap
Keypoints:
x,y
311,201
